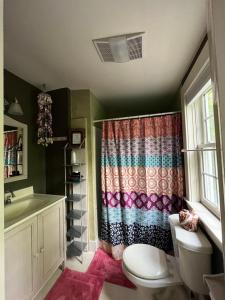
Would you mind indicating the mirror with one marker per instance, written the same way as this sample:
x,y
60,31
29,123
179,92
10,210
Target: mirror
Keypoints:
x,y
15,150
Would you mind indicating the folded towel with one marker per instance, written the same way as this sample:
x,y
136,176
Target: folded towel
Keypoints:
x,y
188,220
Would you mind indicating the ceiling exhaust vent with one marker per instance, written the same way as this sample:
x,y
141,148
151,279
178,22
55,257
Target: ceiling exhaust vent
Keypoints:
x,y
121,48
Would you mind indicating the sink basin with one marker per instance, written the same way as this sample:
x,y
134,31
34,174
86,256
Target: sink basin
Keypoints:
x,y
25,205
22,208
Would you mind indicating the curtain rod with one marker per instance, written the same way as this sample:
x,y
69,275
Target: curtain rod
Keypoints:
x,y
137,117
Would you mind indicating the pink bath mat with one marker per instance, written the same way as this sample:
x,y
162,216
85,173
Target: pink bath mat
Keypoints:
x,y
73,285
105,266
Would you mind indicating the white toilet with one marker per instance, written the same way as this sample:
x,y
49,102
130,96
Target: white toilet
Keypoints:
x,y
150,267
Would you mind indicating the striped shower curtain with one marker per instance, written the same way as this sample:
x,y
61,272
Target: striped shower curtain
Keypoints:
x,y
142,181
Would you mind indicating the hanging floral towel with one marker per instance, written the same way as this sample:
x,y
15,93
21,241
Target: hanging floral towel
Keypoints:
x,y
44,119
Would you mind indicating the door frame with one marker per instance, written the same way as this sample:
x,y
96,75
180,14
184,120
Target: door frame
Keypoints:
x,y
216,26
2,274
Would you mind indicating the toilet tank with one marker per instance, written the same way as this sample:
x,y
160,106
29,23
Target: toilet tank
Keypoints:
x,y
193,251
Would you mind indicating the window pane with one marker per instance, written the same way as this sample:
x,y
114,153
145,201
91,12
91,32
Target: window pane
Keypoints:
x,y
211,189
209,162
209,103
210,130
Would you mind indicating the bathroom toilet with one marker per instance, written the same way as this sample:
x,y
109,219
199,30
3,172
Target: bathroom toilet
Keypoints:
x,y
150,267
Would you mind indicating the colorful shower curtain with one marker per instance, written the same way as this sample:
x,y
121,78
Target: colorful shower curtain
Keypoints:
x,y
142,181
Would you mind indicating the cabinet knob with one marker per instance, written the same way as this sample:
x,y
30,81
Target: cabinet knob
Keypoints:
x,y
42,250
35,255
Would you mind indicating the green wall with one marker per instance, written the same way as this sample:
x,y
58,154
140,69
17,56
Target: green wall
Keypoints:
x,y
27,96
142,106
82,104
97,112
85,105
80,108
55,152
124,108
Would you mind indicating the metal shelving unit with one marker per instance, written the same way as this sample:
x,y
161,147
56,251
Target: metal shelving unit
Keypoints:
x,y
75,192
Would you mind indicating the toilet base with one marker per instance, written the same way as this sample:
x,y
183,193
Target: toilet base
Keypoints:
x,y
173,279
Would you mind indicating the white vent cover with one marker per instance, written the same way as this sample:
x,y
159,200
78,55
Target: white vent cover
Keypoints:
x,y
121,48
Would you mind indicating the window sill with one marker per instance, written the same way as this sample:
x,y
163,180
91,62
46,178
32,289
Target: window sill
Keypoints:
x,y
209,222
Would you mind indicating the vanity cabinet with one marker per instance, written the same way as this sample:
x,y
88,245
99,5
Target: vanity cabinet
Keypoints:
x,y
33,252
21,261
50,241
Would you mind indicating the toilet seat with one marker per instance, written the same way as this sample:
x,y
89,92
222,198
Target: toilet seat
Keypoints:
x,y
145,261
170,278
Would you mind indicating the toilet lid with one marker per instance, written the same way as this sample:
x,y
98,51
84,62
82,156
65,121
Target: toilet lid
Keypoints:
x,y
145,261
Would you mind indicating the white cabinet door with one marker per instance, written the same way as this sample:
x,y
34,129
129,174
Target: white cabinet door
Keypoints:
x,y
21,261
50,241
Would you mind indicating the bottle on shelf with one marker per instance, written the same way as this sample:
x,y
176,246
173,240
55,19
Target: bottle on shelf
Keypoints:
x,y
73,159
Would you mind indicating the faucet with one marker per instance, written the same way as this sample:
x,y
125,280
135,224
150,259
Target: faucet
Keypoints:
x,y
8,199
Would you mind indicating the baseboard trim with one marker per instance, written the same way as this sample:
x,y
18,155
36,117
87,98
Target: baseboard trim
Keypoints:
x,y
93,245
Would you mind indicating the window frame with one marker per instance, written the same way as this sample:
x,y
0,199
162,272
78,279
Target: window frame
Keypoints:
x,y
213,208
204,146
204,114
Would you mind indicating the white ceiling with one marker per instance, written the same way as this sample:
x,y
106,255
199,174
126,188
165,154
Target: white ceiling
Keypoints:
x,y
50,41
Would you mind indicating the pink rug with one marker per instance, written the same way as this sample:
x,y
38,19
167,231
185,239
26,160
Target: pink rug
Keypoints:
x,y
73,285
104,265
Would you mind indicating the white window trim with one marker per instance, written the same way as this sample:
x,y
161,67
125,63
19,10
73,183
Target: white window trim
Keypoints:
x,y
214,209
211,208
196,191
204,113
208,221
216,25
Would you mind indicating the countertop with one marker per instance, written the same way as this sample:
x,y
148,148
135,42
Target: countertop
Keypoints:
x,y
26,207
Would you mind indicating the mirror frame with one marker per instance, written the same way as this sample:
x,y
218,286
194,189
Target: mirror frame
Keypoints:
x,y
11,122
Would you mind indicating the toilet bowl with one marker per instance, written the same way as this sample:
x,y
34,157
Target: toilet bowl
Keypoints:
x,y
148,266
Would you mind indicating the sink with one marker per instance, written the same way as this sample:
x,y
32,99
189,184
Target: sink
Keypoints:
x,y
25,205
22,208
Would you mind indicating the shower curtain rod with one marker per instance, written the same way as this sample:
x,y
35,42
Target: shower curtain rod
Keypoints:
x,y
137,117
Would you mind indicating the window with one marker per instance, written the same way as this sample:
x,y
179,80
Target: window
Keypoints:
x,y
201,139
208,162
